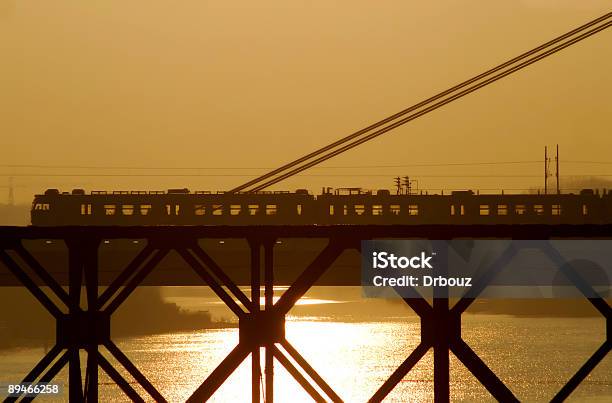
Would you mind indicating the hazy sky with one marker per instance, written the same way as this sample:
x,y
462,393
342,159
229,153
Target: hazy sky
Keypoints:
x,y
255,84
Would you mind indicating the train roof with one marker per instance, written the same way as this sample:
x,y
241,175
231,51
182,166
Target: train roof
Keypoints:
x,y
328,191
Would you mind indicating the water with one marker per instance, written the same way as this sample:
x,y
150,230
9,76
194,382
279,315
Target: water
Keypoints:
x,y
533,356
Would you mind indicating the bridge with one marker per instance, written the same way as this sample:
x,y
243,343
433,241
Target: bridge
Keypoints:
x,y
259,326
262,326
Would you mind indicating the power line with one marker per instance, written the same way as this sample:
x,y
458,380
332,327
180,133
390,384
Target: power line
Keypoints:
x,y
589,162
303,175
424,164
169,168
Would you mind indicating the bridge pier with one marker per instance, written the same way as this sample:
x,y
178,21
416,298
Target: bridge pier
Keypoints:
x,y
266,328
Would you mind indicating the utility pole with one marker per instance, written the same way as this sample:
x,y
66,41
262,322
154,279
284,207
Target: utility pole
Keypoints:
x,y
545,169
407,185
398,185
557,169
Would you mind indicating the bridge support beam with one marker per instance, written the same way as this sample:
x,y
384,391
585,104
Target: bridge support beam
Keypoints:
x,y
79,328
266,328
261,326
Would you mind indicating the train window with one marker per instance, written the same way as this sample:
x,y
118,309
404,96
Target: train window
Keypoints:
x,y
484,209
199,209
271,209
254,209
359,209
502,209
520,209
413,209
345,209
331,209
538,209
127,209
41,206
556,209
453,210
173,209
585,209
394,209
299,209
377,209
235,209
110,209
85,209
217,209
145,208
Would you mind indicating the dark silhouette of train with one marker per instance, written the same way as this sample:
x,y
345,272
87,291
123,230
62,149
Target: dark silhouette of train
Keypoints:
x,y
332,206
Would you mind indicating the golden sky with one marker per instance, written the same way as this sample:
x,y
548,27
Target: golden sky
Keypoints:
x,y
256,84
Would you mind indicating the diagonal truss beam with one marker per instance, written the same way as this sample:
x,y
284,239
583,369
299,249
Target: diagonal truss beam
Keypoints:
x,y
309,276
118,379
212,283
221,275
481,371
220,374
125,274
50,374
136,280
297,357
583,372
29,284
297,375
400,372
27,257
132,370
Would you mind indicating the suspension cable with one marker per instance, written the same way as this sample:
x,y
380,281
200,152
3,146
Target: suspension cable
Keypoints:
x,y
424,103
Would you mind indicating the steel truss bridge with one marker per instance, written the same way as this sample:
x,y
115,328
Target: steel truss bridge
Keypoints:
x,y
263,326
260,326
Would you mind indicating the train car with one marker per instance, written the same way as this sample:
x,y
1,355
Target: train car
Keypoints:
x,y
171,207
331,207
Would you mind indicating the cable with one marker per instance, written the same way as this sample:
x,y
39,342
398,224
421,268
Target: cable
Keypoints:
x,y
420,104
236,168
303,175
427,110
431,108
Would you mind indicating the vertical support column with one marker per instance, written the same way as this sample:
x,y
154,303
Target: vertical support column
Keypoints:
x,y
441,340
75,280
269,302
90,268
255,295
441,350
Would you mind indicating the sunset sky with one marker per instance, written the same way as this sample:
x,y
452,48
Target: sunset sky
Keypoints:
x,y
256,84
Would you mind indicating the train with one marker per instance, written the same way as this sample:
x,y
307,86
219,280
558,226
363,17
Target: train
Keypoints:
x,y
330,207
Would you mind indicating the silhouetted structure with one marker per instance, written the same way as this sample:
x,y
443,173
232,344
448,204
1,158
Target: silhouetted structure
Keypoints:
x,y
340,206
464,216
259,327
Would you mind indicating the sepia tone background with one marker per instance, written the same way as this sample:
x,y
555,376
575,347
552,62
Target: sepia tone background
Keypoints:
x,y
155,94
156,84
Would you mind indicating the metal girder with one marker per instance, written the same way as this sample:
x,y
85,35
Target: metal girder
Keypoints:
x,y
440,323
